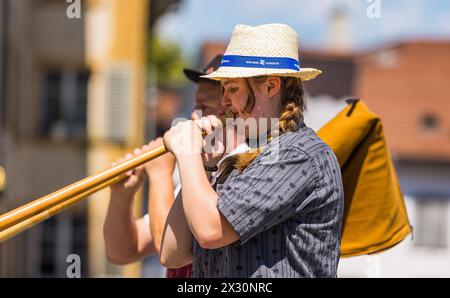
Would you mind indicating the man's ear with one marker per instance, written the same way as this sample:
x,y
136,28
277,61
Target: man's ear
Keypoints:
x,y
273,85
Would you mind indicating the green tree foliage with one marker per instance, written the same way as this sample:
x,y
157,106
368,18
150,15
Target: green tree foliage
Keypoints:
x,y
165,62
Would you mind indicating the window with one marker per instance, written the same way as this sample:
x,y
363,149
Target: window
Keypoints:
x,y
431,224
79,240
59,238
64,104
118,80
48,245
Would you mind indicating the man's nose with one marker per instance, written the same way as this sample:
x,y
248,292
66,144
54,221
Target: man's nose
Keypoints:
x,y
226,102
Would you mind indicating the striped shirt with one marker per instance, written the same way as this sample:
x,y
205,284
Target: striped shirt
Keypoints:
x,y
287,213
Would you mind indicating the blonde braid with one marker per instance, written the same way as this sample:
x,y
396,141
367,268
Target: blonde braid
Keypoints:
x,y
292,99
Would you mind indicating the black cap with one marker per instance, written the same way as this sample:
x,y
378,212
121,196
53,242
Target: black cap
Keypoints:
x,y
194,75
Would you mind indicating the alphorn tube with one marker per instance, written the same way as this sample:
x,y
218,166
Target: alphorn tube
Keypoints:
x,y
30,222
44,207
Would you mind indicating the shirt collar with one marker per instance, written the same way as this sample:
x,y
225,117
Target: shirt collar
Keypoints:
x,y
242,148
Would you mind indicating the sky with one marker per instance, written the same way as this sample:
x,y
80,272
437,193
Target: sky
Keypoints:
x,y
196,21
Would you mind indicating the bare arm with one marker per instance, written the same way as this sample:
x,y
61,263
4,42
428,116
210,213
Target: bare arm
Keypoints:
x,y
208,225
161,193
126,239
176,246
206,222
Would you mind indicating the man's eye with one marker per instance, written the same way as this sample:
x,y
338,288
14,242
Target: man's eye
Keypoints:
x,y
232,89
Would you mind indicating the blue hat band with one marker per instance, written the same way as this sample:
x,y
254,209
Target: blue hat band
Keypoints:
x,y
260,62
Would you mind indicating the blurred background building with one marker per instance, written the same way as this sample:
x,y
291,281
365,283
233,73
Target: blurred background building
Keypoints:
x,y
73,99
44,83
76,94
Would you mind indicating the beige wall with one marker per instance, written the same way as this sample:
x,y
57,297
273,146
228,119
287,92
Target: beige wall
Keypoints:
x,y
62,39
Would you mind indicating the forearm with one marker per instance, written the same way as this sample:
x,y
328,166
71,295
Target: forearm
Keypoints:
x,y
160,200
199,199
176,244
120,231
203,217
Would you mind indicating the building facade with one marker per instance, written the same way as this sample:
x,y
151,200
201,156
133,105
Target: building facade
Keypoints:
x,y
72,93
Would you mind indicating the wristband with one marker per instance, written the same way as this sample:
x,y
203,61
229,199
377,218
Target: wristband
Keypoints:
x,y
211,169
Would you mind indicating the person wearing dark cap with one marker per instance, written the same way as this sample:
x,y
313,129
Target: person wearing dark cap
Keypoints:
x,y
207,89
128,239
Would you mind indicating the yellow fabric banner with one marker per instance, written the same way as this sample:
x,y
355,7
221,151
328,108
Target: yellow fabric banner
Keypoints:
x,y
375,215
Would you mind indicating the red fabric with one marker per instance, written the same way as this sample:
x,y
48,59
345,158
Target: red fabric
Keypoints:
x,y
183,272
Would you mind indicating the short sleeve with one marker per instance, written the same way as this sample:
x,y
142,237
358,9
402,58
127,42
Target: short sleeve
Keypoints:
x,y
267,193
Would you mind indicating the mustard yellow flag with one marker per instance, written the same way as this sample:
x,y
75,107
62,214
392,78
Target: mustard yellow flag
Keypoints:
x,y
375,216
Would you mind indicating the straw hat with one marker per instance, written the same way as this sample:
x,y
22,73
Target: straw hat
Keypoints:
x,y
270,49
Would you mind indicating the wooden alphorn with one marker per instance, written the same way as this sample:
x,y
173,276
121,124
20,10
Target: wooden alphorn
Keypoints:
x,y
26,216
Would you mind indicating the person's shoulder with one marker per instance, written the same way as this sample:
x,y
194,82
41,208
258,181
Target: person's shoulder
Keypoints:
x,y
305,139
